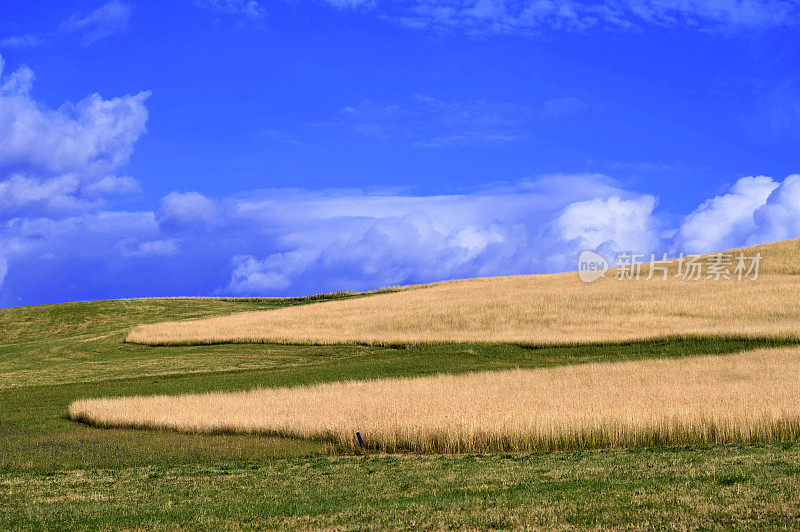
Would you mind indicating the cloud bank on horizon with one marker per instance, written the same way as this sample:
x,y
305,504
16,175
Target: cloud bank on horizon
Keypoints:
x,y
63,235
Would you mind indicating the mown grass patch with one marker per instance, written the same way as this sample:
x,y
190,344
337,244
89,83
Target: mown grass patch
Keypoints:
x,y
678,489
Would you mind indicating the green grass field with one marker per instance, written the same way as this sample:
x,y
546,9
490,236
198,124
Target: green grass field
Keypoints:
x,y
55,473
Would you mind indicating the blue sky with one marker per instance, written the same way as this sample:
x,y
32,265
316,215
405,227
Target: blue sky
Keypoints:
x,y
254,148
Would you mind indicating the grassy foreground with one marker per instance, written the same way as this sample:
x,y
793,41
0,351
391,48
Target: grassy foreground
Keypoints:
x,y
59,474
708,488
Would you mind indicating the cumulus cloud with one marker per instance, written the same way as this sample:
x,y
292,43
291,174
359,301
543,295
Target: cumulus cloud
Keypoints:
x,y
56,196
78,258
329,240
59,169
86,234
64,160
755,210
93,137
292,241
296,241
18,82
251,275
288,241
779,217
61,239
112,185
612,224
187,209
725,221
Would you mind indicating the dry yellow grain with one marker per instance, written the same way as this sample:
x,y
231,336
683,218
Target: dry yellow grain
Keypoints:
x,y
745,397
534,309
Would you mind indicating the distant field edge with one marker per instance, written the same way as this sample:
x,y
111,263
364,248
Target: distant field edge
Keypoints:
x,y
766,340
311,298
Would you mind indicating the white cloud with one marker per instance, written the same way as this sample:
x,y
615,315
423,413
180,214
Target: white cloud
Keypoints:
x,y
248,8
93,235
725,221
93,138
428,122
59,169
64,160
779,217
251,275
530,16
185,209
150,248
353,239
112,185
614,224
106,20
18,82
24,40
56,196
60,195
290,241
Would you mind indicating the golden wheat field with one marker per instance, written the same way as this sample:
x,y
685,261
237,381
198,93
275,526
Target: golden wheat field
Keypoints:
x,y
745,397
530,309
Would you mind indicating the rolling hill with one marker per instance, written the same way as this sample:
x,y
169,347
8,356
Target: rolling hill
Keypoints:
x,y
527,309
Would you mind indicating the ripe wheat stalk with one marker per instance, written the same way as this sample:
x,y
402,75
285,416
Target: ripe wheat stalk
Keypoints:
x,y
526,309
746,397
546,309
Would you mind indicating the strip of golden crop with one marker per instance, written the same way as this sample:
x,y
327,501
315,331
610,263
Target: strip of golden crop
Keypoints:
x,y
746,397
530,309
